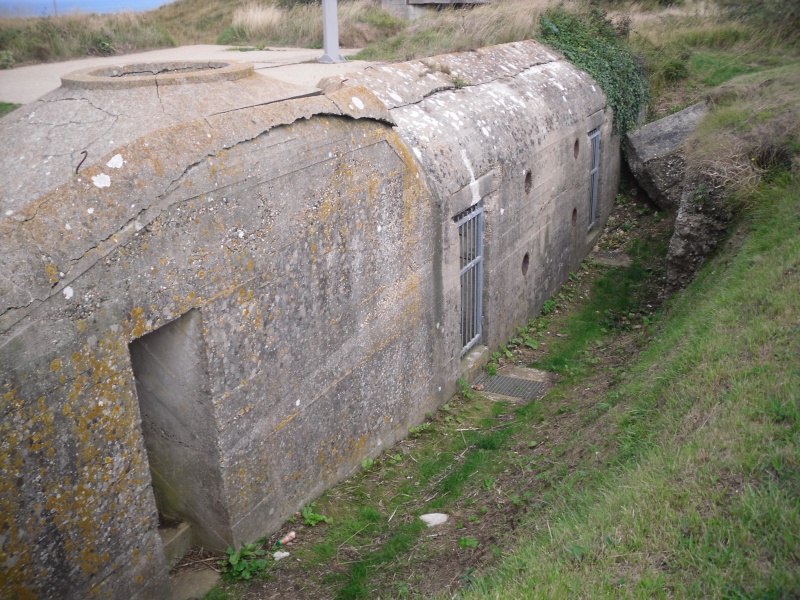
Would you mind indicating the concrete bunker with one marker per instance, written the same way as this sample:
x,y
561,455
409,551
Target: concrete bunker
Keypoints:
x,y
303,250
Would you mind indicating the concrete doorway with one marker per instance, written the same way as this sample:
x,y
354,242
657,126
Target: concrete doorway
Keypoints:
x,y
171,373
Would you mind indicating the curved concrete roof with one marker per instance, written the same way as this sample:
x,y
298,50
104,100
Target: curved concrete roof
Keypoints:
x,y
55,224
463,113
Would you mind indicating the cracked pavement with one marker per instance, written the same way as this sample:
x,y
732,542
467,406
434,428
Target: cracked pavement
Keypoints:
x,y
291,65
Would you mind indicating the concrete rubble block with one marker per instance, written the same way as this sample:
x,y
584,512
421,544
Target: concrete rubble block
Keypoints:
x,y
655,158
700,226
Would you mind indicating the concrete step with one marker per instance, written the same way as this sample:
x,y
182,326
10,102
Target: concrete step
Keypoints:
x,y
177,542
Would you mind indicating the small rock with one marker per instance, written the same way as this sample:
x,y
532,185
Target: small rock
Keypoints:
x,y
434,519
280,555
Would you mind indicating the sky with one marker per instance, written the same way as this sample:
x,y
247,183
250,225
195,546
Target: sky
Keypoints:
x,y
37,8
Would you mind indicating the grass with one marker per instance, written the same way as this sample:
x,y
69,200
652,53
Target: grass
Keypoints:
x,y
360,22
703,502
460,29
69,36
196,21
690,47
751,133
255,20
7,107
616,294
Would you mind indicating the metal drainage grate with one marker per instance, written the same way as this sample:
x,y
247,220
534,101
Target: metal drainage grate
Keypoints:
x,y
511,386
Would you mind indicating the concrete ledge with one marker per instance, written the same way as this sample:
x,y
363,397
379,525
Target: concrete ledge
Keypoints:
x,y
177,542
473,362
122,77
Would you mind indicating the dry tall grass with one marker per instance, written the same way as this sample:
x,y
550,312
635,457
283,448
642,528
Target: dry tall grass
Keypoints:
x,y
77,34
196,21
257,20
361,22
465,29
753,129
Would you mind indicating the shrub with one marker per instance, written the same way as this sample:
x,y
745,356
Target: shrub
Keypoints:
x,y
589,41
6,59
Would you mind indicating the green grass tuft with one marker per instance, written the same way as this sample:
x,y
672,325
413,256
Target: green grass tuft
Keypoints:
x,y
7,107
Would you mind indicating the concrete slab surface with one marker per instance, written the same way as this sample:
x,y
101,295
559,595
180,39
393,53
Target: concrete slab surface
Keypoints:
x,y
192,585
291,65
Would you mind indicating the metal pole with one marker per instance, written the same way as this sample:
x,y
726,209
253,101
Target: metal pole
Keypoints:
x,y
330,33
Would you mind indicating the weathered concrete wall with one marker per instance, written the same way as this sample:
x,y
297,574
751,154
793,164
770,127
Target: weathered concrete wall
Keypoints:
x,y
507,126
404,10
413,9
306,249
303,246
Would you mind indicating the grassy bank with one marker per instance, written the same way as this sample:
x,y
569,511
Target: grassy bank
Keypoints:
x,y
704,500
361,22
34,40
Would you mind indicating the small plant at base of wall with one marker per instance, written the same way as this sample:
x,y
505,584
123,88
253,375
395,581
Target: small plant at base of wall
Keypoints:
x,y
311,518
7,59
244,563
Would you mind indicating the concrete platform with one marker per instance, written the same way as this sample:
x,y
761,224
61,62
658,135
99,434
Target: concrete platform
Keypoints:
x,y
298,66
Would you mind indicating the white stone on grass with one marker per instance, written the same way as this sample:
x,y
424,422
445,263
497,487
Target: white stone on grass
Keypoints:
x,y
434,519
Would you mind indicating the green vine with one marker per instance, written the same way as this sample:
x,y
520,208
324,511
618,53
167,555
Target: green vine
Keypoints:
x,y
590,42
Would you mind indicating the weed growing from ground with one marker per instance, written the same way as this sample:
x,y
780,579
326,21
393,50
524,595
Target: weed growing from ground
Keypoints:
x,y
245,563
7,107
311,518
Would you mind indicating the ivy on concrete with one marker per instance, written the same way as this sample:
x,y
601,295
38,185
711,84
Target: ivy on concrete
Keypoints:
x,y
591,42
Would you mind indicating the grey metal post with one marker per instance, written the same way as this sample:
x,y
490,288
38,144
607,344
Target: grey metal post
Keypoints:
x,y
330,33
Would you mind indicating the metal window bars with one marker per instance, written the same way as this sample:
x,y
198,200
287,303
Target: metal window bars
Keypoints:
x,y
470,233
594,140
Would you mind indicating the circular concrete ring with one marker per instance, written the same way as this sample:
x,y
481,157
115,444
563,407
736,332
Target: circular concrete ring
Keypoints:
x,y
120,77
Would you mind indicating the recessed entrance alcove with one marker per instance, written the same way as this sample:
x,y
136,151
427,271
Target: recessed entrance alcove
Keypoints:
x,y
171,374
